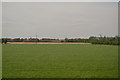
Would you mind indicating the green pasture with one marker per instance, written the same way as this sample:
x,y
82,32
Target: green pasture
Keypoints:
x,y
59,61
0,61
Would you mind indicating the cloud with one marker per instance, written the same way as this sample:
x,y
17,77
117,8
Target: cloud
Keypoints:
x,y
59,20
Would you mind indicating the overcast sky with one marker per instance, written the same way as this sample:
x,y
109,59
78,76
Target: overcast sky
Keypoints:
x,y
60,0
60,20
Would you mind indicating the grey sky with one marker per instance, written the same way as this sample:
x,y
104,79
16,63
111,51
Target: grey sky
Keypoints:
x,y
60,20
0,19
60,0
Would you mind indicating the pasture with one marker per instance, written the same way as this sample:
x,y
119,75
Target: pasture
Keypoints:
x,y
59,61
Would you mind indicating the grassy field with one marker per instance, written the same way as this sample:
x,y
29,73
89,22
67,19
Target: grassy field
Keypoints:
x,y
0,61
59,61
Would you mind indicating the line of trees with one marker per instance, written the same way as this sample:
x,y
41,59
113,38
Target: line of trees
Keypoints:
x,y
105,40
94,40
28,40
97,40
77,40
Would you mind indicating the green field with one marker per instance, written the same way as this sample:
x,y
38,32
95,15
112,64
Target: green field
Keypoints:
x,y
59,61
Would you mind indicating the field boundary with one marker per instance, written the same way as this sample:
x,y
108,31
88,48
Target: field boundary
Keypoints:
x,y
46,43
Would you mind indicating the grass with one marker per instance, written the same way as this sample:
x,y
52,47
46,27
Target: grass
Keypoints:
x,y
0,61
60,61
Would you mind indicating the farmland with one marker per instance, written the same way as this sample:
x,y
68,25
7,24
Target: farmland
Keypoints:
x,y
59,61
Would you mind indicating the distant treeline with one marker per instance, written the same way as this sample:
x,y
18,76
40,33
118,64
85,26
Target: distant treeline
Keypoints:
x,y
94,40
105,40
98,40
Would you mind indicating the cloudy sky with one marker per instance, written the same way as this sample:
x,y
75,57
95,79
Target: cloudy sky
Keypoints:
x,y
60,0
59,20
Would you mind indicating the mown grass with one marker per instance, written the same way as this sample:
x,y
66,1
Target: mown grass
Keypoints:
x,y
59,61
0,61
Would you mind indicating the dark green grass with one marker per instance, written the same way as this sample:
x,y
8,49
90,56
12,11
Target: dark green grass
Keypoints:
x,y
60,61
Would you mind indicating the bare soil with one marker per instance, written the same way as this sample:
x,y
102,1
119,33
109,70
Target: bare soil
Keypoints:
x,y
46,43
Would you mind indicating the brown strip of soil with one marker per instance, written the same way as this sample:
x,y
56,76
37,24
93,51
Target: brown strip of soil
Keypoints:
x,y
45,43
